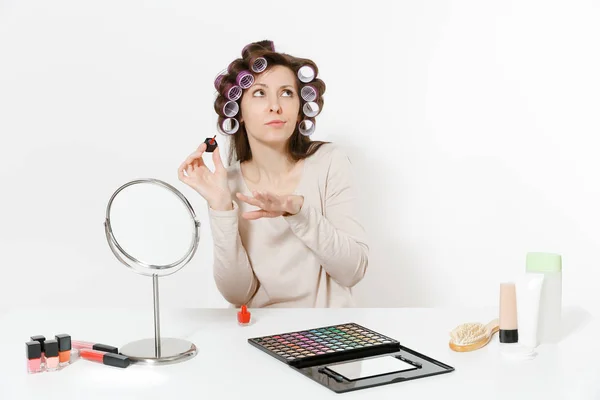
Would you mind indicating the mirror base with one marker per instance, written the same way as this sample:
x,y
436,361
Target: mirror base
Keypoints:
x,y
171,351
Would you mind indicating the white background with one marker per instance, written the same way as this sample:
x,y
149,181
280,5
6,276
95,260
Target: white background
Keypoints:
x,y
473,127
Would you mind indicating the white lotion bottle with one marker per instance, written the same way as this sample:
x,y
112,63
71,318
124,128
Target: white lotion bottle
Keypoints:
x,y
550,311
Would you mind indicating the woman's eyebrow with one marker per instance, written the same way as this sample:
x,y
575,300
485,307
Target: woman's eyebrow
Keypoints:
x,y
281,87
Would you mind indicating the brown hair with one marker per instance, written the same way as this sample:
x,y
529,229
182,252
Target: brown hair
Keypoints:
x,y
299,146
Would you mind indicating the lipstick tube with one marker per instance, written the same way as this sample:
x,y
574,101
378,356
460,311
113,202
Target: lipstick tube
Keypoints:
x,y
64,349
77,344
51,347
112,359
33,352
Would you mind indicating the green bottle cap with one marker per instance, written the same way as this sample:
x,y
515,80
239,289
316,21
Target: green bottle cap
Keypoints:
x,y
544,262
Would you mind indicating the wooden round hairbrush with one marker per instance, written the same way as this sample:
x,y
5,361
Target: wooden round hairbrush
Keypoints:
x,y
473,335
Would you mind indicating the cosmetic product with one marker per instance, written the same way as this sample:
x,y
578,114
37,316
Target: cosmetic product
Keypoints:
x,y
550,266
211,144
115,360
348,356
51,347
529,288
243,316
78,344
33,352
41,339
508,313
64,348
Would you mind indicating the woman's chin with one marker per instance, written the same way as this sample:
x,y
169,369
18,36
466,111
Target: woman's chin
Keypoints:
x,y
275,137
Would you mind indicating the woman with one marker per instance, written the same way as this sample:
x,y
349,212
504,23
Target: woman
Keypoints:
x,y
282,214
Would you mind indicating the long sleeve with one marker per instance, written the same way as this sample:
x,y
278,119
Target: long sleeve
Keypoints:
x,y
232,271
335,236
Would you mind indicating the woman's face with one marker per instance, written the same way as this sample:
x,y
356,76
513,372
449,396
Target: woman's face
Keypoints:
x,y
270,107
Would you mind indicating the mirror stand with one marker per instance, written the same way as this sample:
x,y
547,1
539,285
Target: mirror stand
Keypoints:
x,y
158,350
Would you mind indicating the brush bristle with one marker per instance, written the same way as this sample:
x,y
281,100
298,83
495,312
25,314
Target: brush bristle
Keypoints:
x,y
468,333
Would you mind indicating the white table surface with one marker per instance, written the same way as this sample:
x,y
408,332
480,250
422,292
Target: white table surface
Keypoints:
x,y
227,365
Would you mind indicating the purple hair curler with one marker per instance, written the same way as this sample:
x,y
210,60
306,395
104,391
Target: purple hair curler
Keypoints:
x,y
219,78
245,79
231,108
230,126
309,93
306,73
306,127
310,109
233,92
258,65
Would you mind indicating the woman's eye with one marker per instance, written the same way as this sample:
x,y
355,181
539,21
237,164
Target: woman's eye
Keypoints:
x,y
261,93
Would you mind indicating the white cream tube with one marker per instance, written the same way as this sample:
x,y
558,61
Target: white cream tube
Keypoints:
x,y
529,289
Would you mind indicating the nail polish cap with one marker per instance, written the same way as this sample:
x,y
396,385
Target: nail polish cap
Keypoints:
x,y
243,315
33,349
64,341
41,339
51,347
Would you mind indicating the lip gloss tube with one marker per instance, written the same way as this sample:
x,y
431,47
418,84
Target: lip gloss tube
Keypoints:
x,y
41,339
51,348
112,359
77,344
64,348
33,351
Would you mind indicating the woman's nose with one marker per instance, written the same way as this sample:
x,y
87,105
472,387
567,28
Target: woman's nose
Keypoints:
x,y
275,106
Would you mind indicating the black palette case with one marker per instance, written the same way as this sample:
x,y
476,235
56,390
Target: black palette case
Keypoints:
x,y
349,357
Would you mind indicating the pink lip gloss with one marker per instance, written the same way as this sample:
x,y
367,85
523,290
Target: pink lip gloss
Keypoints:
x,y
78,344
33,351
51,347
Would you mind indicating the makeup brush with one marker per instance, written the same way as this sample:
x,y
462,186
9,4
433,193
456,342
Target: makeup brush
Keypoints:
x,y
473,335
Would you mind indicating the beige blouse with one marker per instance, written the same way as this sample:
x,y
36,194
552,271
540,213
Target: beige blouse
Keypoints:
x,y
310,259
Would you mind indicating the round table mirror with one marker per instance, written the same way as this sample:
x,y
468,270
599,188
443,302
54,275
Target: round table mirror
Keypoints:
x,y
152,229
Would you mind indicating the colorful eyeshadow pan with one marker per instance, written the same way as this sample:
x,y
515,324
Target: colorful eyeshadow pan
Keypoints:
x,y
322,342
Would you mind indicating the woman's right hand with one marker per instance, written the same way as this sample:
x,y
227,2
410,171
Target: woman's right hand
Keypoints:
x,y
213,186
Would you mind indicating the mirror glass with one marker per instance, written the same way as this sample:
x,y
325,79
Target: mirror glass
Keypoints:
x,y
153,225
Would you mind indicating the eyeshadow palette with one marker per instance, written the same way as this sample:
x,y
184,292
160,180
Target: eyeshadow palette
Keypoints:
x,y
324,343
348,357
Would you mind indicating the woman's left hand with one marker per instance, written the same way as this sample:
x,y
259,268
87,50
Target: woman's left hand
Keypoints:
x,y
271,205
